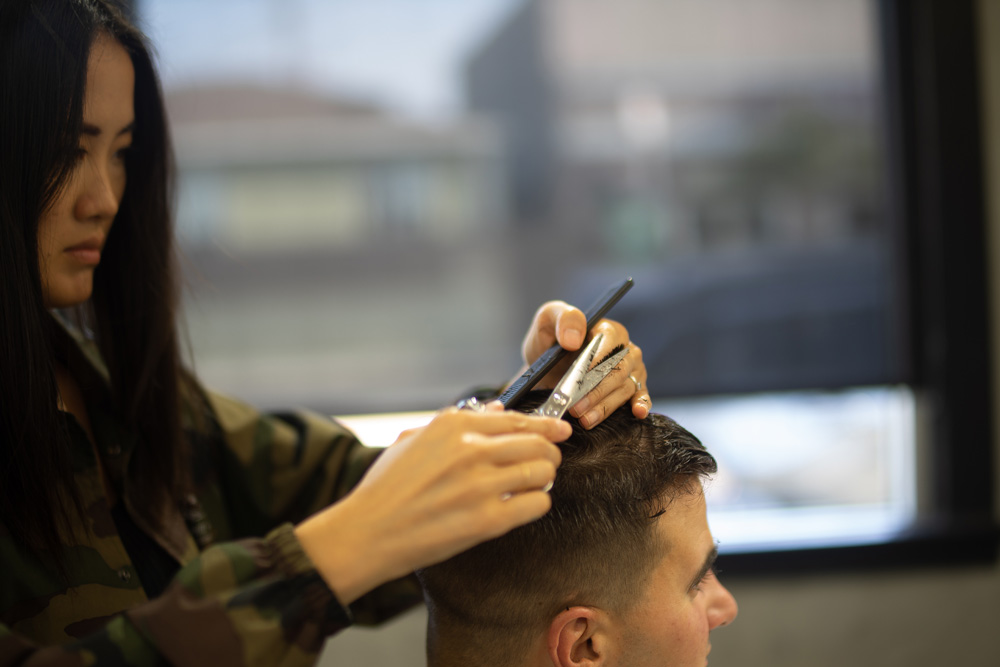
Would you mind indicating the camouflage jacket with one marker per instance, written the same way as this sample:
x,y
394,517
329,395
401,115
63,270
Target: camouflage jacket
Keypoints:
x,y
242,600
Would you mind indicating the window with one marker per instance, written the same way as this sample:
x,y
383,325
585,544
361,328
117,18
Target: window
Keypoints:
x,y
362,201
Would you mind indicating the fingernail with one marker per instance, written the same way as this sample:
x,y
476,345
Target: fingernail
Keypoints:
x,y
582,406
589,419
574,337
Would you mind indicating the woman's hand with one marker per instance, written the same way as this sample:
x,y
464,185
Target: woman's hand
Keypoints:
x,y
559,322
464,478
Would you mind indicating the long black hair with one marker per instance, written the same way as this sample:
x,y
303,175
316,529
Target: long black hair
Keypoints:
x,y
44,51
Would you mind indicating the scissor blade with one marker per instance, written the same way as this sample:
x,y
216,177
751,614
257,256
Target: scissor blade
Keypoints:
x,y
598,373
566,393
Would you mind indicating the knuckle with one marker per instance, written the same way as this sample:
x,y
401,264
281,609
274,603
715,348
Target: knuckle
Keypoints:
x,y
604,326
468,444
518,422
447,414
447,418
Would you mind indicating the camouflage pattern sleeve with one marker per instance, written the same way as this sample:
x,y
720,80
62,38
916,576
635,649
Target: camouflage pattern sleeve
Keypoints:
x,y
284,467
252,602
274,468
105,648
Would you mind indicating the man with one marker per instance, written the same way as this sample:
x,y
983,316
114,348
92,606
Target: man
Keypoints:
x,y
619,572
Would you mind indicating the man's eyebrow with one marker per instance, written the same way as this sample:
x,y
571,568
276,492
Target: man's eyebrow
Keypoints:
x,y
94,131
706,566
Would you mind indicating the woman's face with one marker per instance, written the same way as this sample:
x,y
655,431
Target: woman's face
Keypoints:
x,y
72,232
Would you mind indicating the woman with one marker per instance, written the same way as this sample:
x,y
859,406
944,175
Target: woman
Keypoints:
x,y
132,501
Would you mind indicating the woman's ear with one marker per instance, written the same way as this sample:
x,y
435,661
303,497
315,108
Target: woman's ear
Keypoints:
x,y
578,638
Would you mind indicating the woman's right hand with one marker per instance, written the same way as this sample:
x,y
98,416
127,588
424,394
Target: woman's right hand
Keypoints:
x,y
464,478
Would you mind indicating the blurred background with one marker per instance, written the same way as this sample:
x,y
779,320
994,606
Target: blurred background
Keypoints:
x,y
375,195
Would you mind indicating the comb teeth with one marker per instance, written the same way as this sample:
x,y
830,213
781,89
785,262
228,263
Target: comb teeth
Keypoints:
x,y
617,348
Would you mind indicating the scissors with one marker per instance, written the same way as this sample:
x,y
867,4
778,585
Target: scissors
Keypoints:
x,y
578,381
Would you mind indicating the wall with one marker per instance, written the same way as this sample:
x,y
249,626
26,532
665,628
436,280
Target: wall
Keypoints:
x,y
939,617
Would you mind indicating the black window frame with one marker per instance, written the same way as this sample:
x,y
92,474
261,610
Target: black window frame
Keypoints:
x,y
938,222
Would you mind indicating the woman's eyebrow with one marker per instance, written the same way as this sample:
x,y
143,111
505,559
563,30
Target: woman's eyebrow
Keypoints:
x,y
94,131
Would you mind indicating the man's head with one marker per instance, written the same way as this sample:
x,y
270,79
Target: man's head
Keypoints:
x,y
617,573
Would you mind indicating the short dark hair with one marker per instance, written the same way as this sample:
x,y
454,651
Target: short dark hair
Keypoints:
x,y
596,546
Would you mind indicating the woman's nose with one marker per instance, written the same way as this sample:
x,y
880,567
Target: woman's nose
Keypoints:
x,y
100,196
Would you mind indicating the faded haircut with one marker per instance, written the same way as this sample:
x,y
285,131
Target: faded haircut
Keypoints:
x,y
597,545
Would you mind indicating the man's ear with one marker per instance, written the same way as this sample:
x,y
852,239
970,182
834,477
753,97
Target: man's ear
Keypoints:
x,y
578,637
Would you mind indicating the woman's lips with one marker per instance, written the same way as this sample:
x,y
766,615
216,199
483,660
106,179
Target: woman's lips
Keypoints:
x,y
88,252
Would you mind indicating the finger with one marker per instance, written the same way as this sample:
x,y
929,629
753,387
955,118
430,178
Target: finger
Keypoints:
x,y
607,405
614,334
641,405
504,450
641,400
542,333
628,391
521,508
571,327
555,322
525,476
625,383
496,423
618,379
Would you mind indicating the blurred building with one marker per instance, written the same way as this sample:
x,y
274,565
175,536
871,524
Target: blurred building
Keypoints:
x,y
730,153
315,230
705,120
278,169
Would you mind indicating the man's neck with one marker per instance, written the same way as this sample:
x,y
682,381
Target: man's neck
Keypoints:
x,y
457,651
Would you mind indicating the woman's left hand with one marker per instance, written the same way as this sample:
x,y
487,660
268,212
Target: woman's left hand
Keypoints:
x,y
559,322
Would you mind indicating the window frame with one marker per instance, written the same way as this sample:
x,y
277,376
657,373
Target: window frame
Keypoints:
x,y
931,77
